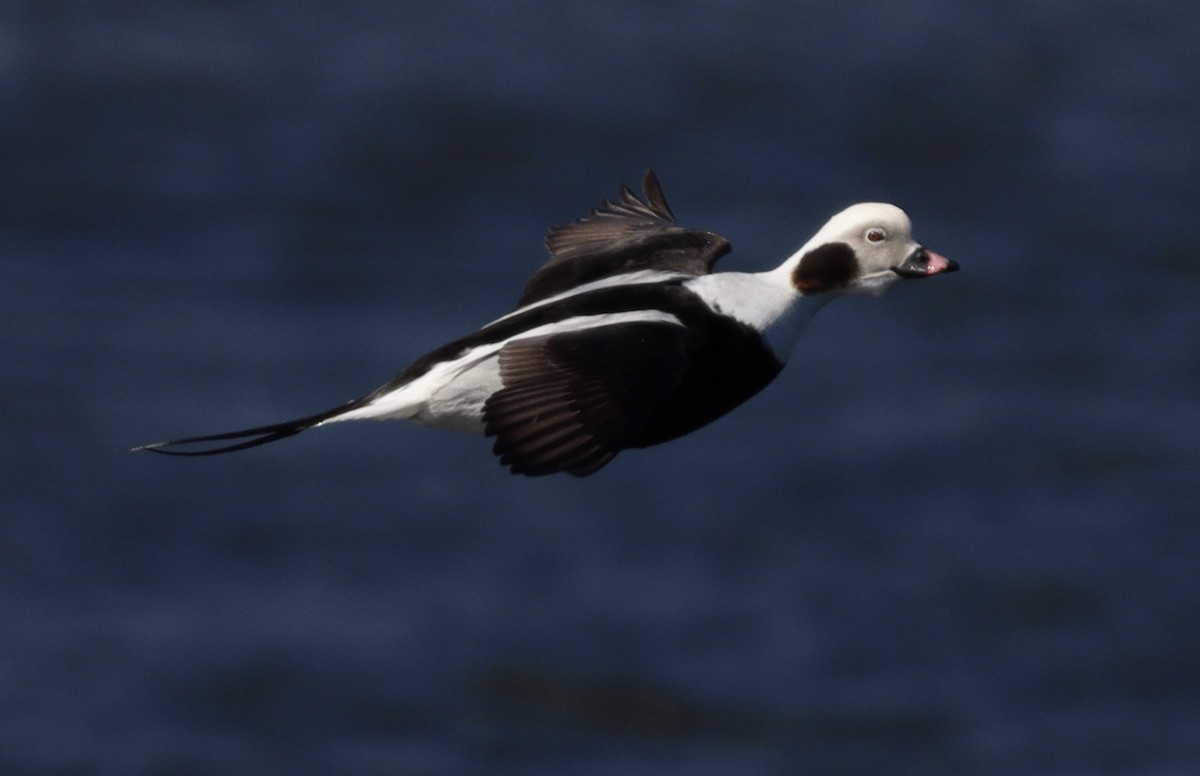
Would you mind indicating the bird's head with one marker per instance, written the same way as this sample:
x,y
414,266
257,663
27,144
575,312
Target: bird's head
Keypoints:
x,y
865,248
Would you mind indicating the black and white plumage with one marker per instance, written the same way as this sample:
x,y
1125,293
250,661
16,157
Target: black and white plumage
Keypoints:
x,y
624,338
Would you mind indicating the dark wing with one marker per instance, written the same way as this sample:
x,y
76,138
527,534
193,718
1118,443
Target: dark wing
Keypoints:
x,y
623,236
572,401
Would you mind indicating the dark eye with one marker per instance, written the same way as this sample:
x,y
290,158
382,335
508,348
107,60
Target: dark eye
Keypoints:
x,y
876,235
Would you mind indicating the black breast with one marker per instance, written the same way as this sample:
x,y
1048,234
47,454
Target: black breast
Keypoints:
x,y
728,362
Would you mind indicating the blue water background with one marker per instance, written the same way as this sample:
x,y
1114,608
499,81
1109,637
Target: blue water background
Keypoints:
x,y
958,535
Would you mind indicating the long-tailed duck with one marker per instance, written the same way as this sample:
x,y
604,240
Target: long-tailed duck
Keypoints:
x,y
624,338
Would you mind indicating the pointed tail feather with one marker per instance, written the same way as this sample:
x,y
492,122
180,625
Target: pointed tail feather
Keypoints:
x,y
251,437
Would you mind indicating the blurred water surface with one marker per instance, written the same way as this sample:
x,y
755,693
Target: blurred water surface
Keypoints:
x,y
957,535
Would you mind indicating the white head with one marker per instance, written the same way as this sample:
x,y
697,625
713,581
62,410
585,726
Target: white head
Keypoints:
x,y
865,248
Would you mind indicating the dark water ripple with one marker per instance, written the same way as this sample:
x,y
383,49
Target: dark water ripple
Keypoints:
x,y
957,536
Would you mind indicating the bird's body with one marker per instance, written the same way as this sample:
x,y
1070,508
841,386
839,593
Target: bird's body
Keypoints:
x,y
625,338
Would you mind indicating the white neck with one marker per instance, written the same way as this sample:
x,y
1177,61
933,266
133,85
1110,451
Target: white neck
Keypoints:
x,y
765,301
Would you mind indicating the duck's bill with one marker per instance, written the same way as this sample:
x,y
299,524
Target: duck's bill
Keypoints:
x,y
924,264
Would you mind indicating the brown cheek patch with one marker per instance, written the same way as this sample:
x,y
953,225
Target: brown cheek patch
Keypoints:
x,y
830,266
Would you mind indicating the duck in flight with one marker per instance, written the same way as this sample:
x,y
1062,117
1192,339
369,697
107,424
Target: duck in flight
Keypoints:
x,y
624,338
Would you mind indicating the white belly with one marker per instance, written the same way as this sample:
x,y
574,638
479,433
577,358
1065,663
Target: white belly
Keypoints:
x,y
457,404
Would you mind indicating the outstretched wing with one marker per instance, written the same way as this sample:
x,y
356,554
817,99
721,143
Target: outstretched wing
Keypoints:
x,y
619,237
572,401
